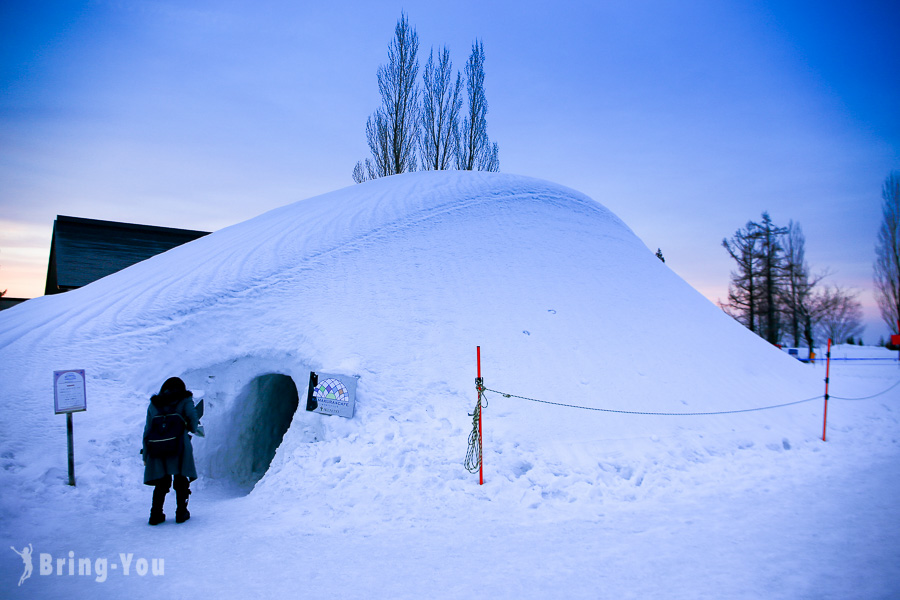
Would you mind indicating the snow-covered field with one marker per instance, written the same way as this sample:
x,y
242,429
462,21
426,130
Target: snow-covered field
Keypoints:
x,y
396,281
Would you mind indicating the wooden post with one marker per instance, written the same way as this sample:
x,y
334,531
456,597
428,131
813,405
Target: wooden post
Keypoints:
x,y
71,444
69,395
827,372
480,447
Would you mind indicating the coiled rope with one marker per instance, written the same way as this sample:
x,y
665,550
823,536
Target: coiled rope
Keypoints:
x,y
473,454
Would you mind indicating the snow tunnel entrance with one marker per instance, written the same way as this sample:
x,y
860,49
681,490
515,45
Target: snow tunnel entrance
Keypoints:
x,y
263,412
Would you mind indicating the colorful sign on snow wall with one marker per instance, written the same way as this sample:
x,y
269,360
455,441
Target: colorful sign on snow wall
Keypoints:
x,y
331,394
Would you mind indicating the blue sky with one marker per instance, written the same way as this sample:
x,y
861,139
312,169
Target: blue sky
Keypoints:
x,y
687,119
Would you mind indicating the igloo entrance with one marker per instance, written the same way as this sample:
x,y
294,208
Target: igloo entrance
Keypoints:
x,y
260,416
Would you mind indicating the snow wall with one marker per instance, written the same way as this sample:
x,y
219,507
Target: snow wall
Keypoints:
x,y
396,281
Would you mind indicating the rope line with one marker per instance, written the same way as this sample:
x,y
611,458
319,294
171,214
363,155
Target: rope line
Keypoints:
x,y
474,453
892,359
868,397
659,414
684,414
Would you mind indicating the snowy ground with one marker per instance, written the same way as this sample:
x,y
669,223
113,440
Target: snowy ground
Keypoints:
x,y
815,520
396,281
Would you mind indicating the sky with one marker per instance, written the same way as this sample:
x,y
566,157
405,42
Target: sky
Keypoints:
x,y
685,119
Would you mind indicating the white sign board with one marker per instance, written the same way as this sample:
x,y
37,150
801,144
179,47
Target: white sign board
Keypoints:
x,y
331,394
68,391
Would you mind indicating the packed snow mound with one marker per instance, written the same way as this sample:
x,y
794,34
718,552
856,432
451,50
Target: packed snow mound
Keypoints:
x,y
396,281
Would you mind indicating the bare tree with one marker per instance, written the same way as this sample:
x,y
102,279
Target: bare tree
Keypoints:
x,y
840,314
474,148
745,287
887,253
393,130
491,161
441,103
798,297
361,171
796,280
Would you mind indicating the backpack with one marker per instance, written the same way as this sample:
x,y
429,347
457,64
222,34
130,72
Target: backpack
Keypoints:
x,y
165,437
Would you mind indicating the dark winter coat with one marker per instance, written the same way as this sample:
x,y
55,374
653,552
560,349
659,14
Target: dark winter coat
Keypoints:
x,y
154,468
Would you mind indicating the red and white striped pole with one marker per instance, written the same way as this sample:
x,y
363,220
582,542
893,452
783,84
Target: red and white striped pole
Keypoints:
x,y
827,372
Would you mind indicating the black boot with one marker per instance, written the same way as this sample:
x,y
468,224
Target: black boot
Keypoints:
x,y
182,492
156,509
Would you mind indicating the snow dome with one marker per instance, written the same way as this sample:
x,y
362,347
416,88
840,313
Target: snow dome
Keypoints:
x,y
395,282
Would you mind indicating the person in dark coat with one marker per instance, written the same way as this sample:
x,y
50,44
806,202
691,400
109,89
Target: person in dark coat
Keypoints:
x,y
162,472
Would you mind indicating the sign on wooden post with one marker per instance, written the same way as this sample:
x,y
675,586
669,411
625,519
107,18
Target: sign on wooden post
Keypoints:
x,y
68,397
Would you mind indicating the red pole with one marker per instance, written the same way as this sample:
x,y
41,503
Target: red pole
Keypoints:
x,y
480,453
827,371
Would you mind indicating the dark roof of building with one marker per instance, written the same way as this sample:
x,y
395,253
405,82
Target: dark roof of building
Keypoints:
x,y
7,302
84,250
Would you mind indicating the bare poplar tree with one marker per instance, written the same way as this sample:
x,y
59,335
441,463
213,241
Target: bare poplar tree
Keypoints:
x,y
887,253
796,280
475,150
798,298
441,103
393,130
361,171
